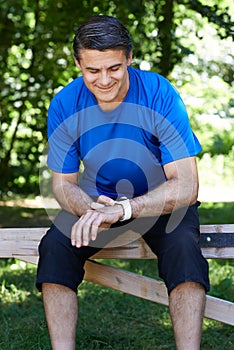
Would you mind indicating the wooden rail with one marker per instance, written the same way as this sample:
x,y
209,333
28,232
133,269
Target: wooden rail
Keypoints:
x,y
217,241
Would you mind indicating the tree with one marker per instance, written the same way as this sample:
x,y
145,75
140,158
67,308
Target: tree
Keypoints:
x,y
36,60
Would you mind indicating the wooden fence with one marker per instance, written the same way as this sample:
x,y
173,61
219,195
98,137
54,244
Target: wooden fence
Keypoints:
x,y
217,242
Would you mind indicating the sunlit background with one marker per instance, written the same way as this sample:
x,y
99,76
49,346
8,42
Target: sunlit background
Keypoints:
x,y
191,43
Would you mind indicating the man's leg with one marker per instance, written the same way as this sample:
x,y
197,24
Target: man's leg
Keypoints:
x,y
185,273
60,271
186,304
61,311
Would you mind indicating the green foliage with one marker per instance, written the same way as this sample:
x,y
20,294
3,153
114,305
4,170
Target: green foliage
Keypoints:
x,y
208,94
36,60
216,213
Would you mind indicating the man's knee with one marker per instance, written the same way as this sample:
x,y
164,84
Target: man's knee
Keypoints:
x,y
60,262
182,261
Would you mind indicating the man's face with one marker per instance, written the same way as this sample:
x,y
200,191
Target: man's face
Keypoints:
x,y
105,74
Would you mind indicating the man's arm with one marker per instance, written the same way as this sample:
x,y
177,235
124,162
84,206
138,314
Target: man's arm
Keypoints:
x,y
180,190
69,195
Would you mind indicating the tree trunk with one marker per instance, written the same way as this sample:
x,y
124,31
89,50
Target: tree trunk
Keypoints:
x,y
165,28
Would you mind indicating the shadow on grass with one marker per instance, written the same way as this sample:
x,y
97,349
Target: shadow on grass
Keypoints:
x,y
24,217
108,320
22,321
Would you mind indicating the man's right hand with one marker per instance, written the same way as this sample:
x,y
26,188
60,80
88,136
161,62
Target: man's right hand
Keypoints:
x,y
101,216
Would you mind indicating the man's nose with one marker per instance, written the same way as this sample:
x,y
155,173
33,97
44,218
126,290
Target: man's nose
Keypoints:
x,y
104,78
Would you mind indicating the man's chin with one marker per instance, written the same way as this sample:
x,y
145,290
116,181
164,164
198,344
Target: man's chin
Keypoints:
x,y
106,99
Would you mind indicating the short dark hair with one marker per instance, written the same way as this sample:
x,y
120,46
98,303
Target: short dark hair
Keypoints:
x,y
102,33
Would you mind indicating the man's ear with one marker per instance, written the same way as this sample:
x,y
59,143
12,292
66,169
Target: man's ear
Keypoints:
x,y
129,61
77,62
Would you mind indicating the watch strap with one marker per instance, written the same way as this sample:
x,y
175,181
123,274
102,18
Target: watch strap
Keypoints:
x,y
126,208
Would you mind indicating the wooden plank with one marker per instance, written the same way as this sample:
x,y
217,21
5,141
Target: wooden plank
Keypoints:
x,y
218,253
14,233
24,241
146,288
217,228
219,310
20,241
140,250
217,240
22,253
214,228
8,248
151,289
136,250
125,281
29,259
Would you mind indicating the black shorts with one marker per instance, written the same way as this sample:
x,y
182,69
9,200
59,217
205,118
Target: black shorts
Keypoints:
x,y
175,242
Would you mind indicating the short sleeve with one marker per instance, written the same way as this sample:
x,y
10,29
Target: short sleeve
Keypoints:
x,y
63,155
173,130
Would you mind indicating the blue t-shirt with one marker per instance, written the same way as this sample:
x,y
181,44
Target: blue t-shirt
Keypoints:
x,y
123,151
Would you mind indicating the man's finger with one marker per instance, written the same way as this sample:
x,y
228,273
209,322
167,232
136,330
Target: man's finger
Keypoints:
x,y
105,200
96,205
74,237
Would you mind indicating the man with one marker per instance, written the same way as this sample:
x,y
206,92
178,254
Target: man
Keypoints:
x,y
131,131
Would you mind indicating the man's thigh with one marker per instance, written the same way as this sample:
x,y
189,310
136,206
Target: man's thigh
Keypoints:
x,y
62,263
59,261
178,251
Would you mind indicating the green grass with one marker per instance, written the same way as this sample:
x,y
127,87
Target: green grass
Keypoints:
x,y
107,319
